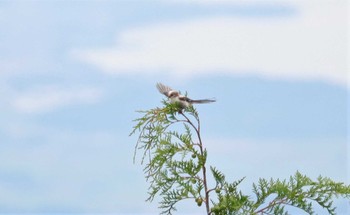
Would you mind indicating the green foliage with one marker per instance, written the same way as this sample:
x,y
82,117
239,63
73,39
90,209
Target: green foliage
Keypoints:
x,y
299,191
230,200
174,160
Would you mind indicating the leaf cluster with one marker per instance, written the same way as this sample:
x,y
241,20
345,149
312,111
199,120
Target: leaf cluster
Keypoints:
x,y
230,199
172,160
276,196
299,191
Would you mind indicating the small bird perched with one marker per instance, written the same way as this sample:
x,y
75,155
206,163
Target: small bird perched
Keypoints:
x,y
176,97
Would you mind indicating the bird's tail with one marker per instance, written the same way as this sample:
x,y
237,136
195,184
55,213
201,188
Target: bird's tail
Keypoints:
x,y
202,101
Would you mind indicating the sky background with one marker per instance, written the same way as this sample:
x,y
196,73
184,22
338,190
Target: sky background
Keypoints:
x,y
73,73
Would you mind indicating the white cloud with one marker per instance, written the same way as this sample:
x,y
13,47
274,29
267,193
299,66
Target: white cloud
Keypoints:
x,y
310,45
48,98
223,2
228,1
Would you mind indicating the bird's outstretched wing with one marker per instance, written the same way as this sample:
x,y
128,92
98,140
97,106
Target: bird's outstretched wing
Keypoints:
x,y
164,89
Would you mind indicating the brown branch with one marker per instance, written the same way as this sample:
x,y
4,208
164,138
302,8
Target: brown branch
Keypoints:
x,y
204,171
272,204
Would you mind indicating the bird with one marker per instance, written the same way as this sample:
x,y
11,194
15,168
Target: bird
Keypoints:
x,y
175,97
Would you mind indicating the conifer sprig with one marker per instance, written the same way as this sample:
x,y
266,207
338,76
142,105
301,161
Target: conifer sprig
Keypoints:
x,y
175,165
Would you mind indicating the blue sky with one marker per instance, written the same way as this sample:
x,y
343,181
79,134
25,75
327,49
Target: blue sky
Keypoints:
x,y
73,73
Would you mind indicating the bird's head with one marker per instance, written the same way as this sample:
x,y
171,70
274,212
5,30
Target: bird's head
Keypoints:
x,y
173,94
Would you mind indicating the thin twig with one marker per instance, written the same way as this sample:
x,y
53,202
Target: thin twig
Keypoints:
x,y
272,204
204,172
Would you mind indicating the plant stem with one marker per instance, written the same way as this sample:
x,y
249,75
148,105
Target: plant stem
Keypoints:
x,y
204,169
271,204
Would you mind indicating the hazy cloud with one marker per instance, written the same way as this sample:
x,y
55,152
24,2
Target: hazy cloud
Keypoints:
x,y
48,98
310,45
